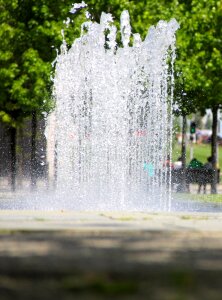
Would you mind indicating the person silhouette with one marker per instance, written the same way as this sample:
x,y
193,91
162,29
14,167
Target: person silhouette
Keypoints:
x,y
207,166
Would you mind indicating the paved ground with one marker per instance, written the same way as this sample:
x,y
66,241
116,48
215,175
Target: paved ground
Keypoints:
x,y
100,255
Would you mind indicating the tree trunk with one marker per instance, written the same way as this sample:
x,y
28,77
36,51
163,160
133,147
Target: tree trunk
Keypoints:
x,y
33,170
20,157
13,157
214,150
183,154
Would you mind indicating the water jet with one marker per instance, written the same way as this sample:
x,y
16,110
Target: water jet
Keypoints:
x,y
112,125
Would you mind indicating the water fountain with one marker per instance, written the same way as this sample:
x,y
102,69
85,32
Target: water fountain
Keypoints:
x,y
109,137
112,122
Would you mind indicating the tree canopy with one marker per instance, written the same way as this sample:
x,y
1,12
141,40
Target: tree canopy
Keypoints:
x,y
200,52
30,32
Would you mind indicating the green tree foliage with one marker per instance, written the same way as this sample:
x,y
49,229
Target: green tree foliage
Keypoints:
x,y
199,51
30,31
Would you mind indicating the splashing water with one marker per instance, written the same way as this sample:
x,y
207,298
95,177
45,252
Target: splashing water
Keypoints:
x,y
113,123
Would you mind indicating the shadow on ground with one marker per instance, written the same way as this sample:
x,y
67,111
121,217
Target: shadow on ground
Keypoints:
x,y
139,264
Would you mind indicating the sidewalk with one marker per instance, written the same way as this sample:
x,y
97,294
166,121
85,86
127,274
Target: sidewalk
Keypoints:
x,y
105,255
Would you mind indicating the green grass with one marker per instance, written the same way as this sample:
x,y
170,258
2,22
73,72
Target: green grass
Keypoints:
x,y
213,198
99,285
200,152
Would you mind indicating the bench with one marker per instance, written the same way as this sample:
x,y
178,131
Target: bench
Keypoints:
x,y
201,176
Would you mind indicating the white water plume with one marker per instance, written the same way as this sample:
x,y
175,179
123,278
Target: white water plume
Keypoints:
x,y
113,116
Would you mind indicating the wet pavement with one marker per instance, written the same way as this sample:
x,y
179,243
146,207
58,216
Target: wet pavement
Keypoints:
x,y
48,201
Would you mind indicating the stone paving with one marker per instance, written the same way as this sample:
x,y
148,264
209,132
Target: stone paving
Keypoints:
x,y
110,255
